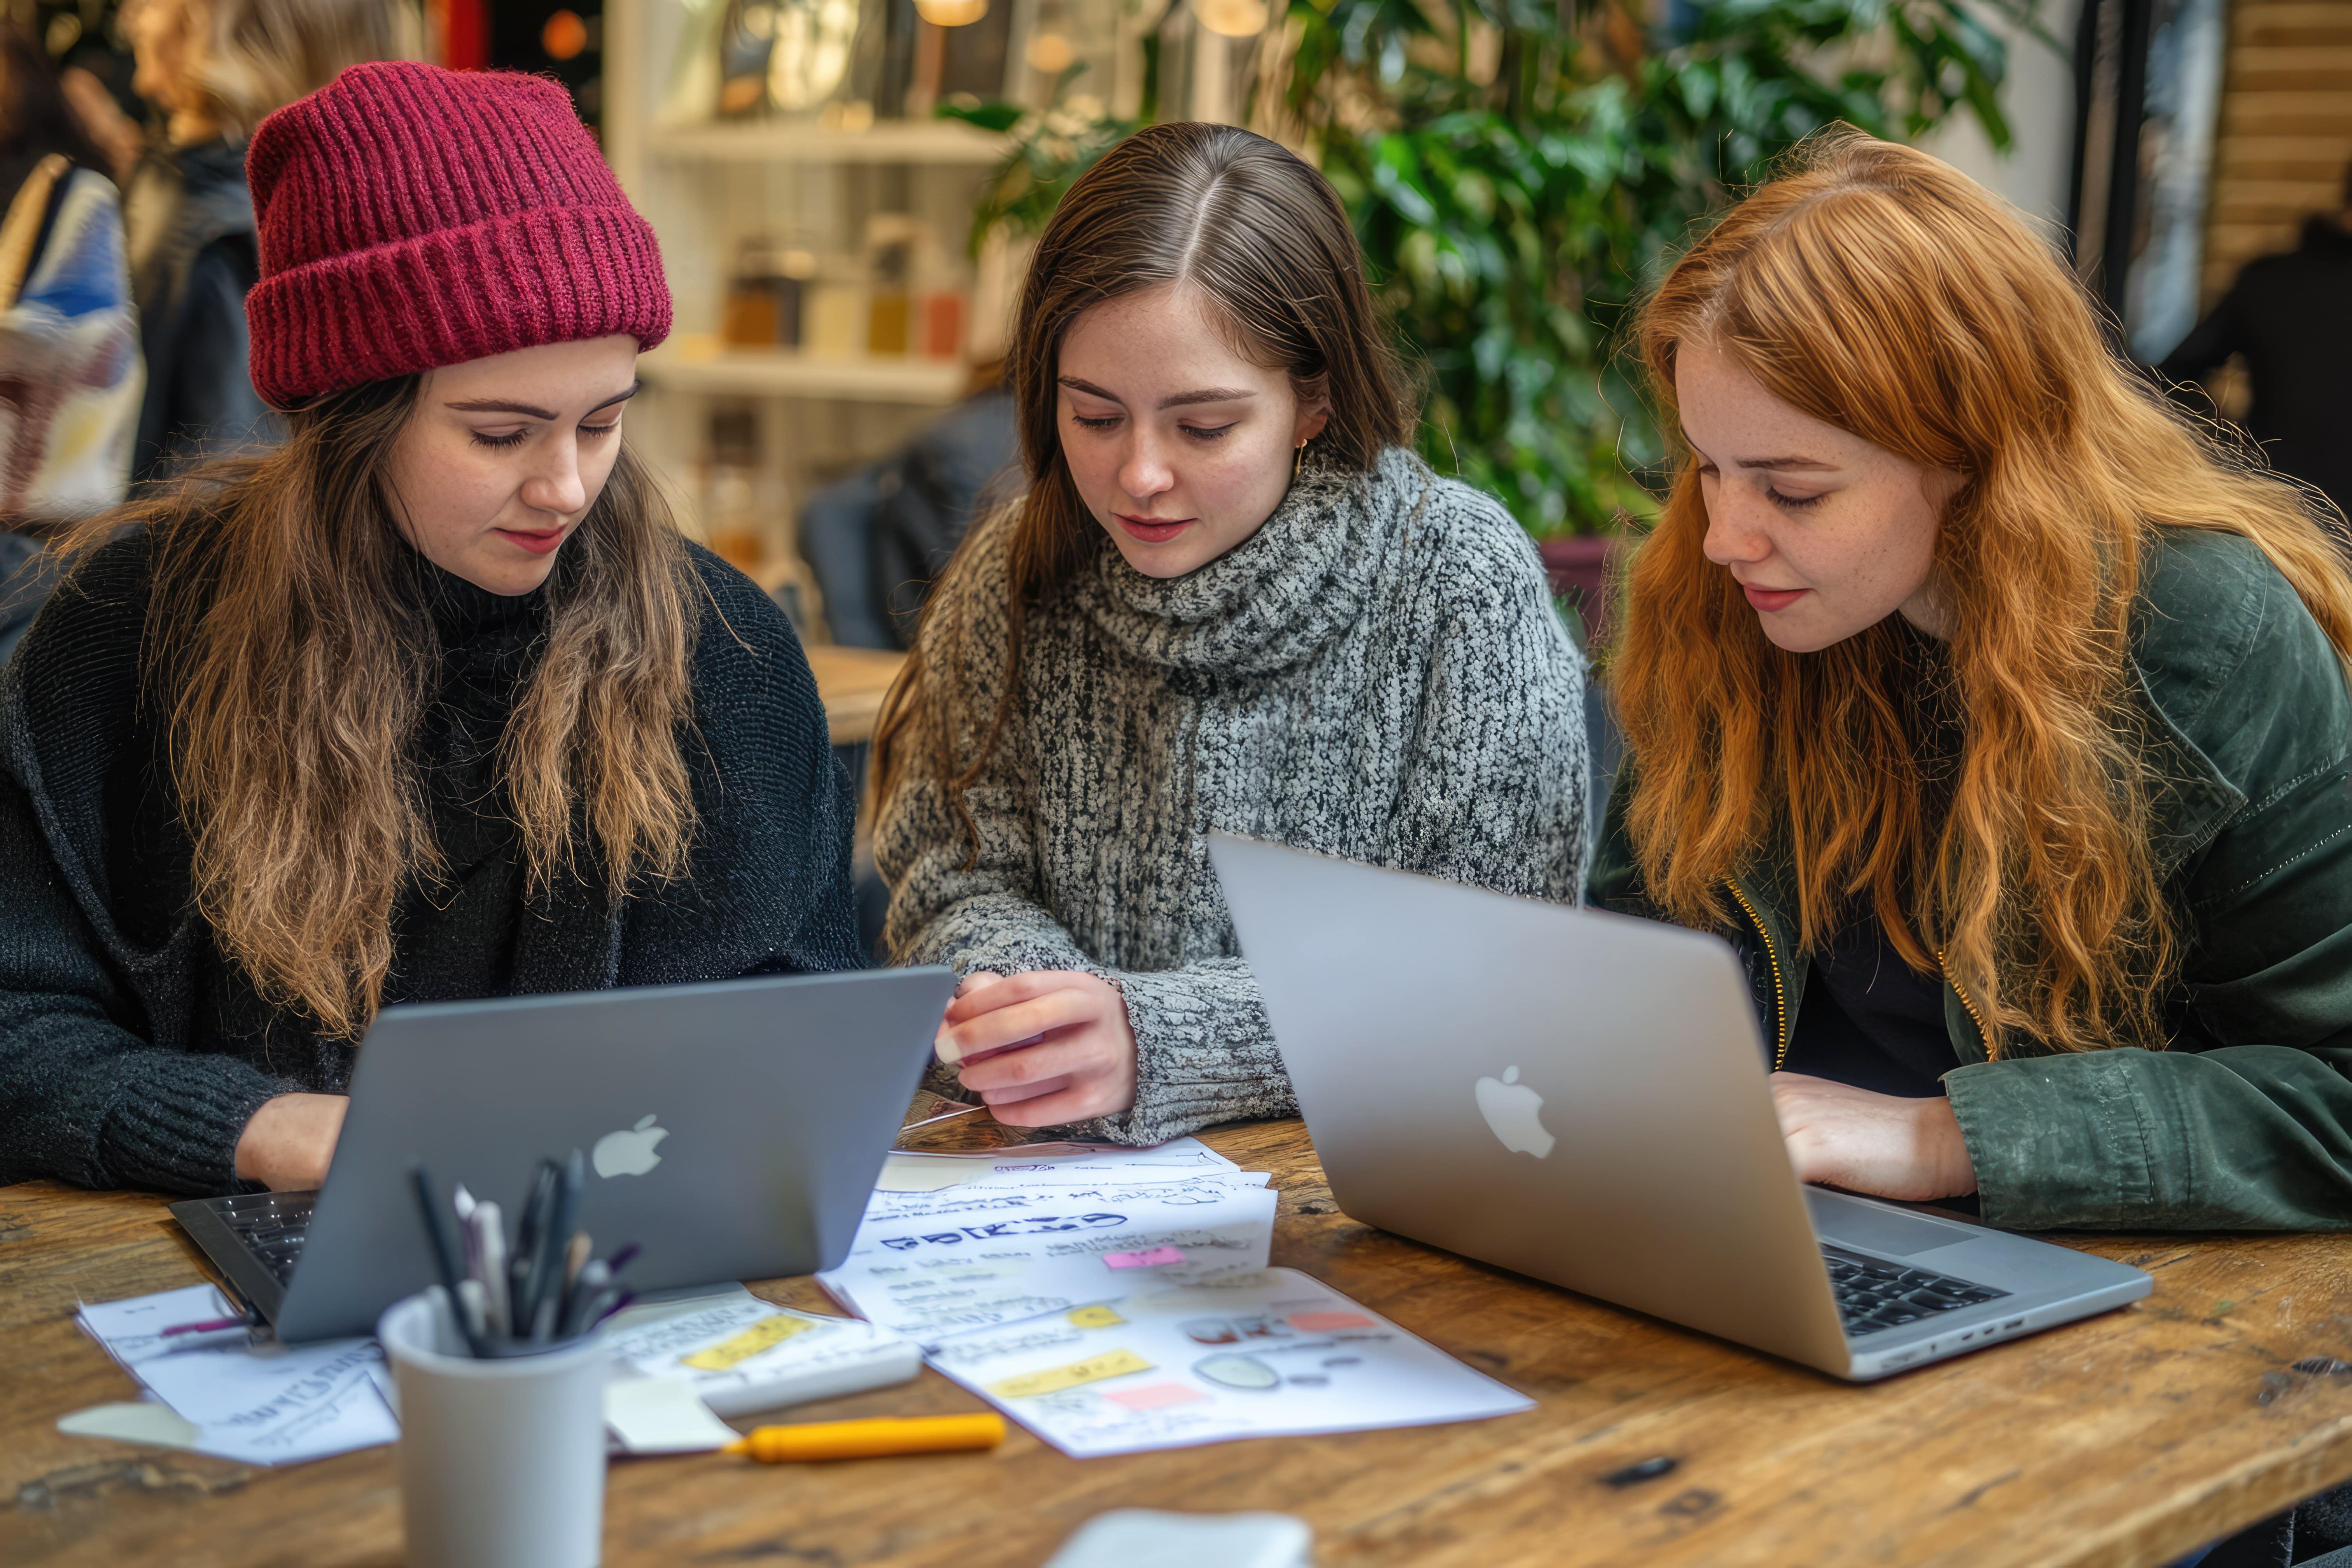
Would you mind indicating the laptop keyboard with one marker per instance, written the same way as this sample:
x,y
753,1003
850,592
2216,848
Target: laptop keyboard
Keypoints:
x,y
1873,1295
269,1226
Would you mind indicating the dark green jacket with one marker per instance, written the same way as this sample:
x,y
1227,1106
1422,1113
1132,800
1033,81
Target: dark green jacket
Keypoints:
x,y
2244,1122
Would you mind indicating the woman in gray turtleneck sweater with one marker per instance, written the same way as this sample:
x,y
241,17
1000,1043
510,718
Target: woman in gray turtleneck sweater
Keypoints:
x,y
1228,598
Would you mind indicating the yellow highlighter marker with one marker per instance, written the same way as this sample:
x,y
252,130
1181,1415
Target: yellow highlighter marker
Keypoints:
x,y
871,1440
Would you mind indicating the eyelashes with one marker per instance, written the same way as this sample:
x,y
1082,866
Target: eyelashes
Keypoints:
x,y
517,438
1771,493
1197,432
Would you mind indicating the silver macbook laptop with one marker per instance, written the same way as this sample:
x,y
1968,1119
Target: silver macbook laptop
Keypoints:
x,y
1581,1097
733,1131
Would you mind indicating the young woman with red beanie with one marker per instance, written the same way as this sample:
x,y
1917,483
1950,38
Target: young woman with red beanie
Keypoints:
x,y
433,702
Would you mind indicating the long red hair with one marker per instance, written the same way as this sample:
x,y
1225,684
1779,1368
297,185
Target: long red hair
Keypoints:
x,y
1875,288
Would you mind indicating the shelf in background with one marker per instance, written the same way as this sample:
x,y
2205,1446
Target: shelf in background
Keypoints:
x,y
800,141
693,363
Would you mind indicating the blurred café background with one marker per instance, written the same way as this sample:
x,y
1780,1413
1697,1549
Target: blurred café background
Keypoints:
x,y
846,192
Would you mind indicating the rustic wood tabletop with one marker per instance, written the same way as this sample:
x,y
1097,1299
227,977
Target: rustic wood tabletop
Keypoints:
x,y
2127,1439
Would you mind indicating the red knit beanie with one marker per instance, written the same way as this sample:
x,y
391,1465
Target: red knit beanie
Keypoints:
x,y
412,217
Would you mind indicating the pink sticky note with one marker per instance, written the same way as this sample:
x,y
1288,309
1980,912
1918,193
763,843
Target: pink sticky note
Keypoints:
x,y
1324,1322
1151,1259
1155,1396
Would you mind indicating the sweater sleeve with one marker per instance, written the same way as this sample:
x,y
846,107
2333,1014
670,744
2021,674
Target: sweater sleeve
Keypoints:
x,y
83,1095
1204,1053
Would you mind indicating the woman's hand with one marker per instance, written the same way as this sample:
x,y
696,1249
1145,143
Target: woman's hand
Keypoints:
x,y
1041,1048
287,1144
1882,1144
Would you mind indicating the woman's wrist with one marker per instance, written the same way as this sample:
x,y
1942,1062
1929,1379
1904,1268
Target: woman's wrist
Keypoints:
x,y
1944,1149
288,1143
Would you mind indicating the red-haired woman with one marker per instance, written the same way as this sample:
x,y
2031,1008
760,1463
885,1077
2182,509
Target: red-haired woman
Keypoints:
x,y
2001,714
433,702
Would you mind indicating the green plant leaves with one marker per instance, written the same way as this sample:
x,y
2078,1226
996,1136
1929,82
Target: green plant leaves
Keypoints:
x,y
1512,224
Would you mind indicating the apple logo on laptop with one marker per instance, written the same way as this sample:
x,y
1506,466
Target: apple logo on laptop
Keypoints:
x,y
630,1152
1512,1108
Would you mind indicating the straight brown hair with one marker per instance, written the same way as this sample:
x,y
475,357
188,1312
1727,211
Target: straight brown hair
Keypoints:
x,y
1261,237
291,648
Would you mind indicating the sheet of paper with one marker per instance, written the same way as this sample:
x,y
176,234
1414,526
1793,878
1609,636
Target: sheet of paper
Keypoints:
x,y
147,1421
662,1416
974,1197
934,1265
1271,1353
743,1356
1175,1161
269,1407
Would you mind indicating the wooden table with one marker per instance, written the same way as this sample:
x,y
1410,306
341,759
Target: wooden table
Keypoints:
x,y
851,680
2126,1440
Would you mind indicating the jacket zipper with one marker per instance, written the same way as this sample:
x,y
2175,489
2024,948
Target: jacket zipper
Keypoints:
x,y
1779,991
1984,1036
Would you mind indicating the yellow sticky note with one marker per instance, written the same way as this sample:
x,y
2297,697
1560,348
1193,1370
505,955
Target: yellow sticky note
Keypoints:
x,y
1093,1318
762,1335
1094,1369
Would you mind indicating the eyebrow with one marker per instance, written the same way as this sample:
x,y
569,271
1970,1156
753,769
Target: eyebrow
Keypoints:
x,y
1178,400
1763,462
501,405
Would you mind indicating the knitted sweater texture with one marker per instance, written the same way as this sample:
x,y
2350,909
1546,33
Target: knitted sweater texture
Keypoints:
x,y
133,1051
1378,673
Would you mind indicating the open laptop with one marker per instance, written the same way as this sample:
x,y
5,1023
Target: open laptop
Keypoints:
x,y
733,1131
1581,1097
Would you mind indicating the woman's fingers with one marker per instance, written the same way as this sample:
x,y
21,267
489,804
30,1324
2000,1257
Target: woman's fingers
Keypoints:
x,y
1070,1057
996,1099
1010,1026
1006,991
1079,1103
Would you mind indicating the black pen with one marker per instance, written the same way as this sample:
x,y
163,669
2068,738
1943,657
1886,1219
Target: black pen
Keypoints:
x,y
445,1251
525,1264
555,1243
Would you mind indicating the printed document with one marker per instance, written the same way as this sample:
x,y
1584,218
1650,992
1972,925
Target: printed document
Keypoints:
x,y
1271,1353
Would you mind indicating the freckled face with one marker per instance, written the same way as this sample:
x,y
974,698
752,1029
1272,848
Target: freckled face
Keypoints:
x,y
1826,533
1181,448
504,456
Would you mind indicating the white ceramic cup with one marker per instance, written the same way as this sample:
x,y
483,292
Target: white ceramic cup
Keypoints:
x,y
501,1462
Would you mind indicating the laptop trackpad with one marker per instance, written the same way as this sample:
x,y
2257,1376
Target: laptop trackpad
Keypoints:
x,y
1875,1229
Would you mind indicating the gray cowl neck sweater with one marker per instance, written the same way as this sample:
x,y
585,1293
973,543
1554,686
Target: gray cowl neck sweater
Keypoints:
x,y
1378,673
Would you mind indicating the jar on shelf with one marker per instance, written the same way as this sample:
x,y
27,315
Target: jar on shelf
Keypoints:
x,y
730,508
890,304
833,318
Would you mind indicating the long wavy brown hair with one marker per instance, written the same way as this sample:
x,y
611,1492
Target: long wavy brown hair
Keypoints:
x,y
290,649
1874,288
1265,240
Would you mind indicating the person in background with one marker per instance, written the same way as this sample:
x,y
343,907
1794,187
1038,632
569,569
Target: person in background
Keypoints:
x,y
1230,597
70,370
213,70
876,538
431,702
2000,715
2291,316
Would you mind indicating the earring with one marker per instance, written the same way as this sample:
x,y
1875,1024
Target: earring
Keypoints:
x,y
1299,461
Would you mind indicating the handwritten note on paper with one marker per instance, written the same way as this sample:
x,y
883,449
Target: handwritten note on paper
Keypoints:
x,y
949,1268
1226,1358
1154,1258
1182,1158
273,1407
741,1354
1054,1198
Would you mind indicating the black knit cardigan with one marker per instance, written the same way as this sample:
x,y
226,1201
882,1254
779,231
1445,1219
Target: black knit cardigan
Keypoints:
x,y
132,1053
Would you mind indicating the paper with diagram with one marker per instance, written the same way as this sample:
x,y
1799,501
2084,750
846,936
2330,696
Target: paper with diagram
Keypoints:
x,y
1270,1353
263,1407
932,1264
